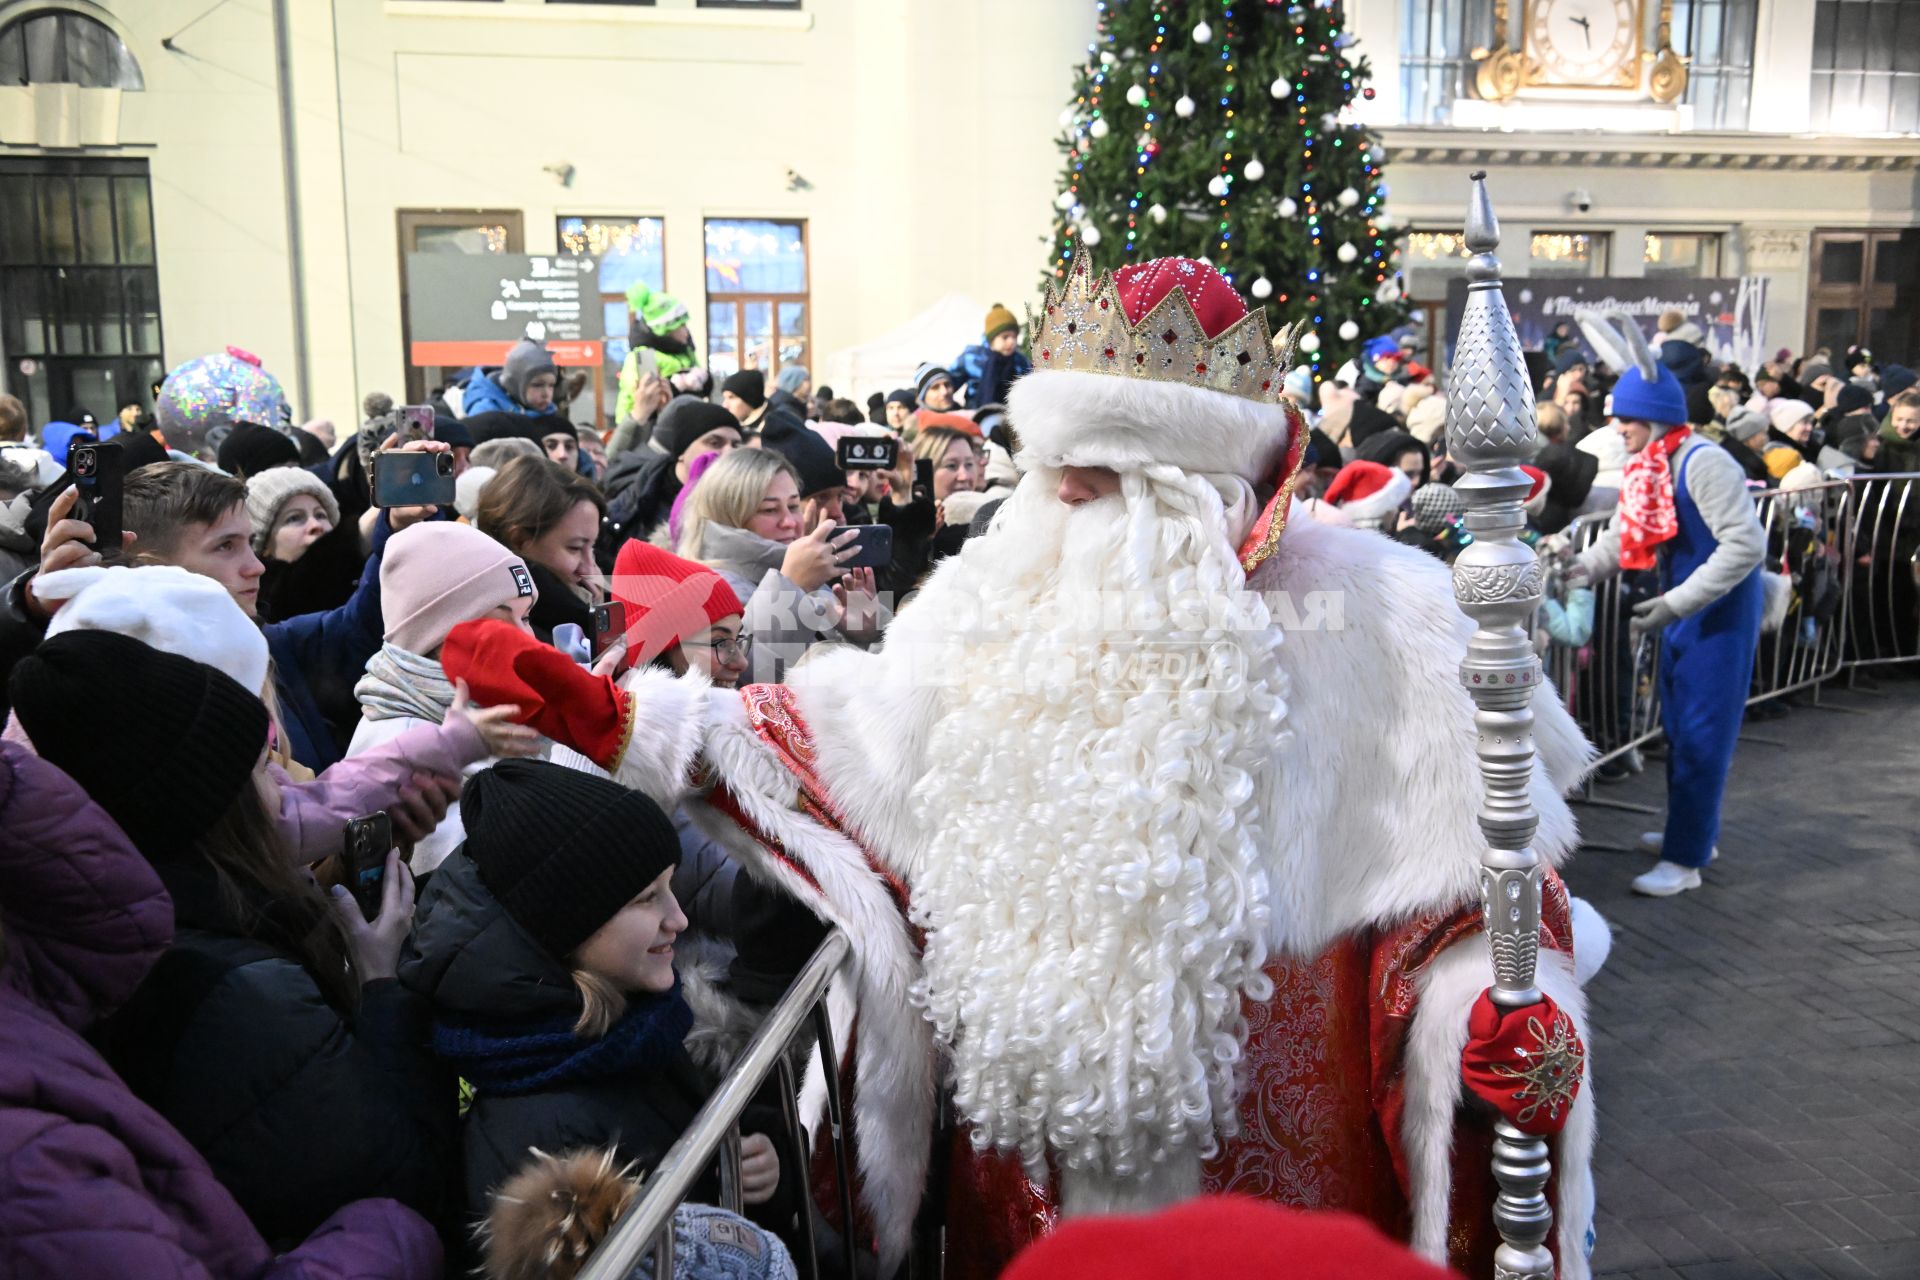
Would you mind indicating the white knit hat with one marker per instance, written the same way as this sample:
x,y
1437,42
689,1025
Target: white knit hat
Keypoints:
x,y
466,491
269,491
164,606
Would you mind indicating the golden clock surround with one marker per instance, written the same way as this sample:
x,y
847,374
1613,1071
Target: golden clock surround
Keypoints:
x,y
1628,77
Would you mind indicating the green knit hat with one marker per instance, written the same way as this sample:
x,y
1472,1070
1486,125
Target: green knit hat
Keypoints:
x,y
660,312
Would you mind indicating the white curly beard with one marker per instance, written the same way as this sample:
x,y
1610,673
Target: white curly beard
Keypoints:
x,y
1093,896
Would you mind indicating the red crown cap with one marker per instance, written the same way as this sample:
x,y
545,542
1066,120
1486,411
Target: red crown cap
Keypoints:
x,y
1215,305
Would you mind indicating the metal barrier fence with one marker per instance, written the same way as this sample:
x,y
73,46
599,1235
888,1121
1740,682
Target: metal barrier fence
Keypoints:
x,y
1850,552
646,1225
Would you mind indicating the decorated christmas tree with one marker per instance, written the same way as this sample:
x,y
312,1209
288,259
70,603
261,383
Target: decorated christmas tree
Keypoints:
x,y
1225,129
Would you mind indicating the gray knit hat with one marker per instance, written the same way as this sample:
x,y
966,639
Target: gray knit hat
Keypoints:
x,y
1433,504
270,490
527,361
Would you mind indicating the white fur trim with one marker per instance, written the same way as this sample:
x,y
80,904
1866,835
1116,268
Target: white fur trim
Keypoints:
x,y
1387,497
894,1099
669,715
1103,420
1592,940
1355,605
1434,1094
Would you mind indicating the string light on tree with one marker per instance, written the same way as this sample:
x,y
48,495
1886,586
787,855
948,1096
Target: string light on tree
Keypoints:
x,y
1176,178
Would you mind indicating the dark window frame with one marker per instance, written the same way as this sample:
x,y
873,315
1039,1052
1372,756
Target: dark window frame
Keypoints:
x,y
740,301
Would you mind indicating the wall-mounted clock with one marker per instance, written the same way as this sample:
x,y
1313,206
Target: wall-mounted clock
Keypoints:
x,y
1584,44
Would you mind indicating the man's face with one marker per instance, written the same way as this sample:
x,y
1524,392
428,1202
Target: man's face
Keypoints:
x,y
734,405
1086,484
538,395
824,505
938,396
1906,422
129,414
898,415
562,447
1636,433
1004,343
221,551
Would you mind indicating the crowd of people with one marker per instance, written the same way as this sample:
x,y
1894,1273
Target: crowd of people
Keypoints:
x,y
233,1049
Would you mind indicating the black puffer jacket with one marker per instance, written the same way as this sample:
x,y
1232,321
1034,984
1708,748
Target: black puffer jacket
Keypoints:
x,y
300,1107
469,958
640,489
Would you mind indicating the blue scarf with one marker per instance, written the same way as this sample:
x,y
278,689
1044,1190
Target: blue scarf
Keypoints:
x,y
527,1057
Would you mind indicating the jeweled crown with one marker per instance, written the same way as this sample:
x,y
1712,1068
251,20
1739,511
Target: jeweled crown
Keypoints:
x,y
1082,327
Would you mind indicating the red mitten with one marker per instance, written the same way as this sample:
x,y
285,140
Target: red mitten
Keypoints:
x,y
1524,1063
504,665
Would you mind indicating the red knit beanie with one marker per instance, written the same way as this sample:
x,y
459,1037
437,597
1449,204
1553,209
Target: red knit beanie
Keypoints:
x,y
1221,1238
667,598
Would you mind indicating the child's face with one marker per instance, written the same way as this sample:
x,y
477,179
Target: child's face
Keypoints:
x,y
634,949
1004,343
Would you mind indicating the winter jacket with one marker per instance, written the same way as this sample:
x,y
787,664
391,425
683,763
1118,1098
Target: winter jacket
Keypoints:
x,y
19,550
1897,453
641,486
300,1107
450,834
95,1184
318,658
556,604
323,578
984,375
314,815
471,960
484,394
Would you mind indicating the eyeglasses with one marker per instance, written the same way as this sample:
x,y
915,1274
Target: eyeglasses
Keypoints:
x,y
737,650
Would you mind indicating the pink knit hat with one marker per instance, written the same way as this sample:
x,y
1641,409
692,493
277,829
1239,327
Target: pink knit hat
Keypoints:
x,y
437,575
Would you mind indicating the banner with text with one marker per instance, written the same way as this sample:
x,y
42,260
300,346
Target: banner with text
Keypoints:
x,y
469,309
1731,312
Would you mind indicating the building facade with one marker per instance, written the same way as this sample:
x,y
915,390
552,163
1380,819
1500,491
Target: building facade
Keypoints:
x,y
808,174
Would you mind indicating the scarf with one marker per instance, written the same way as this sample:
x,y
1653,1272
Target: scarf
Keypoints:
x,y
527,1057
399,684
1647,516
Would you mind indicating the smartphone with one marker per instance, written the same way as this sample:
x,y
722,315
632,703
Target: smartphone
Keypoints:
x,y
413,422
369,840
866,453
606,622
413,479
923,479
873,548
98,470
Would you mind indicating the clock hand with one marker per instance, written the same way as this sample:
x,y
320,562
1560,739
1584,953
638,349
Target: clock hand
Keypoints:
x,y
1586,28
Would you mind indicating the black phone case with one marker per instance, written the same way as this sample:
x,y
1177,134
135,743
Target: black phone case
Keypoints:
x,y
99,503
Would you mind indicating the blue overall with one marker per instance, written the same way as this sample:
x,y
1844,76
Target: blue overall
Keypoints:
x,y
1706,670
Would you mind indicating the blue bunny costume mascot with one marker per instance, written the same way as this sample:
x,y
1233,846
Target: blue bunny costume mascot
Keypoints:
x,y
1685,510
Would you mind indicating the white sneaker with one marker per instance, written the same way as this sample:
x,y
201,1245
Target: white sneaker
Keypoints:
x,y
1666,879
1655,841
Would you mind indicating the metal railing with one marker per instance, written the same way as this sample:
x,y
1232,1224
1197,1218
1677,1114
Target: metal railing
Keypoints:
x,y
1851,551
647,1223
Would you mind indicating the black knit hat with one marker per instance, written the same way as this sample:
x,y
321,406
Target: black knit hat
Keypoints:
x,y
249,449
750,385
163,743
562,850
808,451
686,419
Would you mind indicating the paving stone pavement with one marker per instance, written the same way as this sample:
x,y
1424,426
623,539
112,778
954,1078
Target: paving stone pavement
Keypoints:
x,y
1757,1041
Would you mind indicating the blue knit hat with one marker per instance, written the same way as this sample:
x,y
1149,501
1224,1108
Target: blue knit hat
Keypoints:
x,y
1661,400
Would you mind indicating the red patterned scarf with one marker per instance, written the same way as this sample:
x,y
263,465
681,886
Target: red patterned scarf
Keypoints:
x,y
1647,516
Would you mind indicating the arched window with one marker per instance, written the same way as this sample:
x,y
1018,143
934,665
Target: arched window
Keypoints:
x,y
57,47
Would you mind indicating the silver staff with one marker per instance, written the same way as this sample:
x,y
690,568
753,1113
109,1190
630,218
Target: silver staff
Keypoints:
x,y
1490,432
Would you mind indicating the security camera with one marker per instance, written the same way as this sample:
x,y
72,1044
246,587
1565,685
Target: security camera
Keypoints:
x,y
1581,199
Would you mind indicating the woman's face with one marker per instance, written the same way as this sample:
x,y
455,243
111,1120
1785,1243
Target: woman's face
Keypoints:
x,y
567,548
514,614
302,522
634,950
958,471
778,519
719,652
1410,462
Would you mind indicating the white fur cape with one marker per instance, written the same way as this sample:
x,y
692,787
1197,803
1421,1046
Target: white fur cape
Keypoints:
x,y
1369,809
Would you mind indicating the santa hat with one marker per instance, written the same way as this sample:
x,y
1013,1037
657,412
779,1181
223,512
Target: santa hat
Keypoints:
x,y
1221,1238
1158,364
1368,490
667,598
1537,496
164,607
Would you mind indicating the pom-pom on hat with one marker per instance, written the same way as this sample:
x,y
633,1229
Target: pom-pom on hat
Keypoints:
x,y
667,598
1369,490
170,743
561,850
